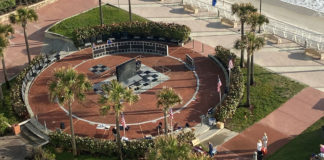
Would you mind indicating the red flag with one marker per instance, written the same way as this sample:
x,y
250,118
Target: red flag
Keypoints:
x,y
230,64
219,84
171,113
123,122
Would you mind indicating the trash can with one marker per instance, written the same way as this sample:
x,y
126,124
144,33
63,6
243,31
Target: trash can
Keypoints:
x,y
62,126
211,121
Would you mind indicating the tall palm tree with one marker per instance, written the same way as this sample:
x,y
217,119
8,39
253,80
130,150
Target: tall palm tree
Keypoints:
x,y
112,99
255,19
252,43
23,16
243,10
130,10
167,98
100,10
5,31
67,86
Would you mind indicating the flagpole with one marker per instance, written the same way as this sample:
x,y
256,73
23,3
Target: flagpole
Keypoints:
x,y
171,126
124,132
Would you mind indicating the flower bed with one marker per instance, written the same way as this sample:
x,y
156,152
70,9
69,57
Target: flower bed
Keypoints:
x,y
236,87
167,31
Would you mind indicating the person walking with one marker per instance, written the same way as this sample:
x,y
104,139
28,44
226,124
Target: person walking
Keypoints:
x,y
259,150
265,140
211,149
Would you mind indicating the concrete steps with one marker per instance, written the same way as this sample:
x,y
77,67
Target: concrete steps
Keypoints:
x,y
34,132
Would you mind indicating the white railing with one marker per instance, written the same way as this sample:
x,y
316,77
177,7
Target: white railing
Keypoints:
x,y
279,28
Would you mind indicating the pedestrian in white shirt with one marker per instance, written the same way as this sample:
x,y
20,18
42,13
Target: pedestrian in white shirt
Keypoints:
x,y
265,140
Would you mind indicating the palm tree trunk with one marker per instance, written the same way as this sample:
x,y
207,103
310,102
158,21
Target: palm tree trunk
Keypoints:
x,y
242,50
248,80
27,45
118,137
130,10
101,21
1,95
72,130
252,70
5,73
165,123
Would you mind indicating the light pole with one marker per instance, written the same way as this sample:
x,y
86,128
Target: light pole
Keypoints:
x,y
260,14
100,10
130,10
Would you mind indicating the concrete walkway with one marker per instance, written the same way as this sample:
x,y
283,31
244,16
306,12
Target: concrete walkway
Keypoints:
x,y
13,148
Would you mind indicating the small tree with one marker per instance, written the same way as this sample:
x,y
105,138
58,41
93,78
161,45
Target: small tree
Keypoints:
x,y
67,86
112,99
243,11
167,98
22,16
5,31
255,20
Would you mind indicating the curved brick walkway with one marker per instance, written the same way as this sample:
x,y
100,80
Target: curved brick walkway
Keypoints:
x,y
181,79
282,125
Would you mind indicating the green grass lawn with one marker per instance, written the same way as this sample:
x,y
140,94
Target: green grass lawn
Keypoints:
x,y
91,18
271,91
304,145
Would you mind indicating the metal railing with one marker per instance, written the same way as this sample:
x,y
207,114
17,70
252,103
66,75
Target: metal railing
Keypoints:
x,y
279,28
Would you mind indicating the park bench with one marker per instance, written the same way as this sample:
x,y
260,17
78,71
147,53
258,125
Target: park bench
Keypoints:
x,y
190,8
316,54
272,38
230,23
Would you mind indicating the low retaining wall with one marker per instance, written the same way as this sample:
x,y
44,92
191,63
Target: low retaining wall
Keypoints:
x,y
5,17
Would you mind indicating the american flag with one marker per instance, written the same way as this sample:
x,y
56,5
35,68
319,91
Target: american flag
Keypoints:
x,y
171,113
230,64
219,84
123,122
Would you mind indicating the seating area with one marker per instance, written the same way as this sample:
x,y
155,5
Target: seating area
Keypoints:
x,y
36,69
314,53
229,23
272,38
190,9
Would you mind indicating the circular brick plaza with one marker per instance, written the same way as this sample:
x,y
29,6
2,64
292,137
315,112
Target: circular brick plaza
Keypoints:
x,y
198,92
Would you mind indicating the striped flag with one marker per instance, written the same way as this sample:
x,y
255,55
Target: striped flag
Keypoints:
x,y
219,84
171,113
123,122
230,64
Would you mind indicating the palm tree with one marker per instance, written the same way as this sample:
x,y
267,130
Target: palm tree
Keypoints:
x,y
252,43
167,98
130,10
22,16
5,31
67,86
100,10
243,11
168,147
112,99
255,20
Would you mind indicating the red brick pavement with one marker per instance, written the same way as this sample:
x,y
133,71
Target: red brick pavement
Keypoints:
x,y
282,125
15,54
182,80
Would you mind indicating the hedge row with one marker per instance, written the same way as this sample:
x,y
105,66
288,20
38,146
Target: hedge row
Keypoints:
x,y
10,5
17,102
236,88
134,149
169,31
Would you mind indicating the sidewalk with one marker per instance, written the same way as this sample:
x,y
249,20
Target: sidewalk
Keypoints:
x,y
15,54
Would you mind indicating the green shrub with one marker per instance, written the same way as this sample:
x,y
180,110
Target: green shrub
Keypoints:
x,y
15,94
236,88
6,5
41,154
3,124
170,31
132,149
